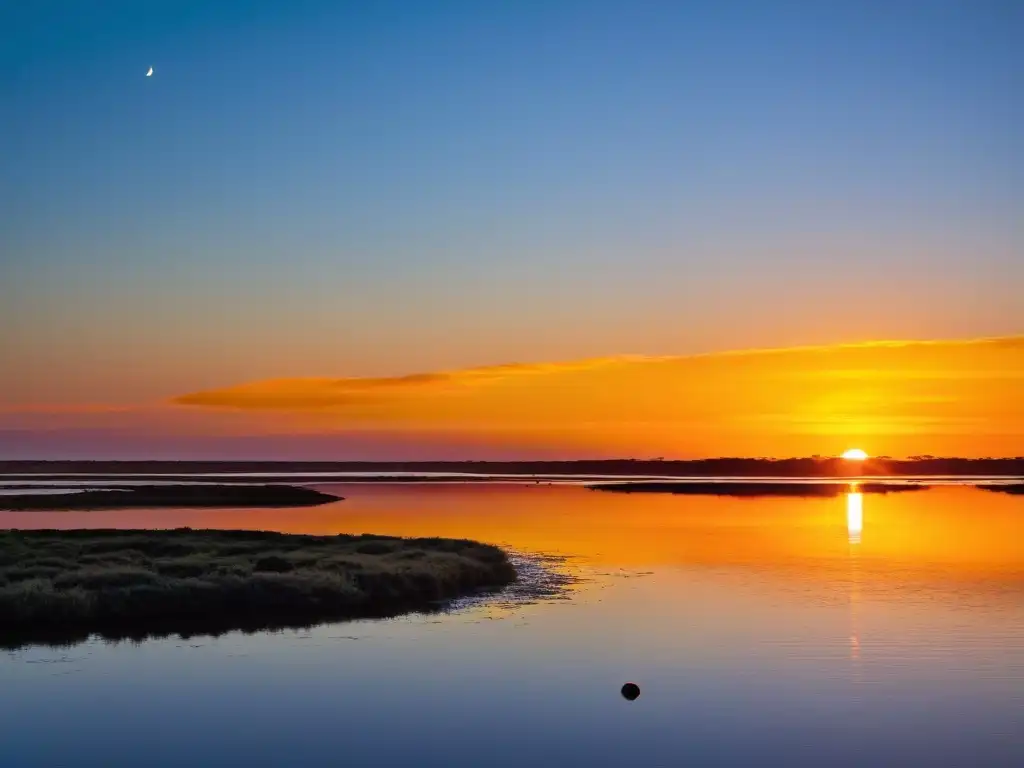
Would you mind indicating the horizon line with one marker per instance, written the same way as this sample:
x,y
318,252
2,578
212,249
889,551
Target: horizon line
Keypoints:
x,y
917,458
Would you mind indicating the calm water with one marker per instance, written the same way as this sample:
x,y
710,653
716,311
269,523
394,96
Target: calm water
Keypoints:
x,y
884,630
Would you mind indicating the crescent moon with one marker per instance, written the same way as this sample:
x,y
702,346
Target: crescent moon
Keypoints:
x,y
148,74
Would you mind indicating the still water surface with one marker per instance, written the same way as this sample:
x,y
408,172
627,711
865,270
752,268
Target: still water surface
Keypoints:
x,y
885,630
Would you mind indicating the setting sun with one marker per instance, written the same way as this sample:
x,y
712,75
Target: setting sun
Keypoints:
x,y
855,454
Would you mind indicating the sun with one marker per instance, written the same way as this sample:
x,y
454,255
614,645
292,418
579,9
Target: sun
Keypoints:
x,y
855,454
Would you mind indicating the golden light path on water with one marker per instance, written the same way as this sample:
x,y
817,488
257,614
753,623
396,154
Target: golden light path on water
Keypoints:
x,y
854,514
854,530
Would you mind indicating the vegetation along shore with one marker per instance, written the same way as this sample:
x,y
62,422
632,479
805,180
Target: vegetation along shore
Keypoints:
x,y
755,489
178,495
1016,489
65,585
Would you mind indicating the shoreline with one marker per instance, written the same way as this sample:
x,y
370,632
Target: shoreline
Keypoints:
x,y
64,586
757,489
1013,489
174,496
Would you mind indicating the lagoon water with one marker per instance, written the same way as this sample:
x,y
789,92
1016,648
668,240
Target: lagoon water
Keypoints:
x,y
874,630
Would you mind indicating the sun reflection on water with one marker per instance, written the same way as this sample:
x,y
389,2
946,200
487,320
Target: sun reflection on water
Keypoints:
x,y
854,514
854,529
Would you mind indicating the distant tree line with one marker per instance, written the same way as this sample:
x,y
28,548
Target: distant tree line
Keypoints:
x,y
810,466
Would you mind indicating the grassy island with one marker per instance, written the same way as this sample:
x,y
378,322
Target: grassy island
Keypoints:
x,y
177,495
754,488
1015,489
60,586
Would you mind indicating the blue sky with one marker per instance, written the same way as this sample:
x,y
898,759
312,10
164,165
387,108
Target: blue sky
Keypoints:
x,y
327,188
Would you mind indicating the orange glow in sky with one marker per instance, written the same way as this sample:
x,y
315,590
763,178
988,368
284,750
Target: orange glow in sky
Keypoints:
x,y
947,398
944,398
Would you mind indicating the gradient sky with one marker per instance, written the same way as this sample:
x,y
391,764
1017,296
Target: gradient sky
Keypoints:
x,y
328,189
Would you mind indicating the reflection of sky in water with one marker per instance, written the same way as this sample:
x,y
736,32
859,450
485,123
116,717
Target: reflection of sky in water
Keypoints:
x,y
757,635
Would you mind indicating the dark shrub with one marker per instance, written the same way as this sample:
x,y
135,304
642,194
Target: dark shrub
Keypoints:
x,y
102,578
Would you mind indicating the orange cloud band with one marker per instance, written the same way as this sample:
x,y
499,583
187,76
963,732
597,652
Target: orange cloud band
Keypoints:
x,y
964,397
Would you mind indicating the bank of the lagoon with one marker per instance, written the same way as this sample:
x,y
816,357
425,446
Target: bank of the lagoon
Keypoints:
x,y
174,495
133,583
756,488
1016,489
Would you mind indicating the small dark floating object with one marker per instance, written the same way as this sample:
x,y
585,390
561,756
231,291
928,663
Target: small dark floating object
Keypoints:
x,y
630,691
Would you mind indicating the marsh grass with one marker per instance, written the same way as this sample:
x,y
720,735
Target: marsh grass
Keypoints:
x,y
70,584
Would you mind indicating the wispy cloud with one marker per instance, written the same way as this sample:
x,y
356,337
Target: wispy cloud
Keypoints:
x,y
890,360
319,393
892,391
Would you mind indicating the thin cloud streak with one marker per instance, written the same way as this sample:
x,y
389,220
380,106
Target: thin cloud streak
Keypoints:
x,y
909,395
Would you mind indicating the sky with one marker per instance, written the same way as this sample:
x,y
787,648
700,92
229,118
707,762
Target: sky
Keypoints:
x,y
334,191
